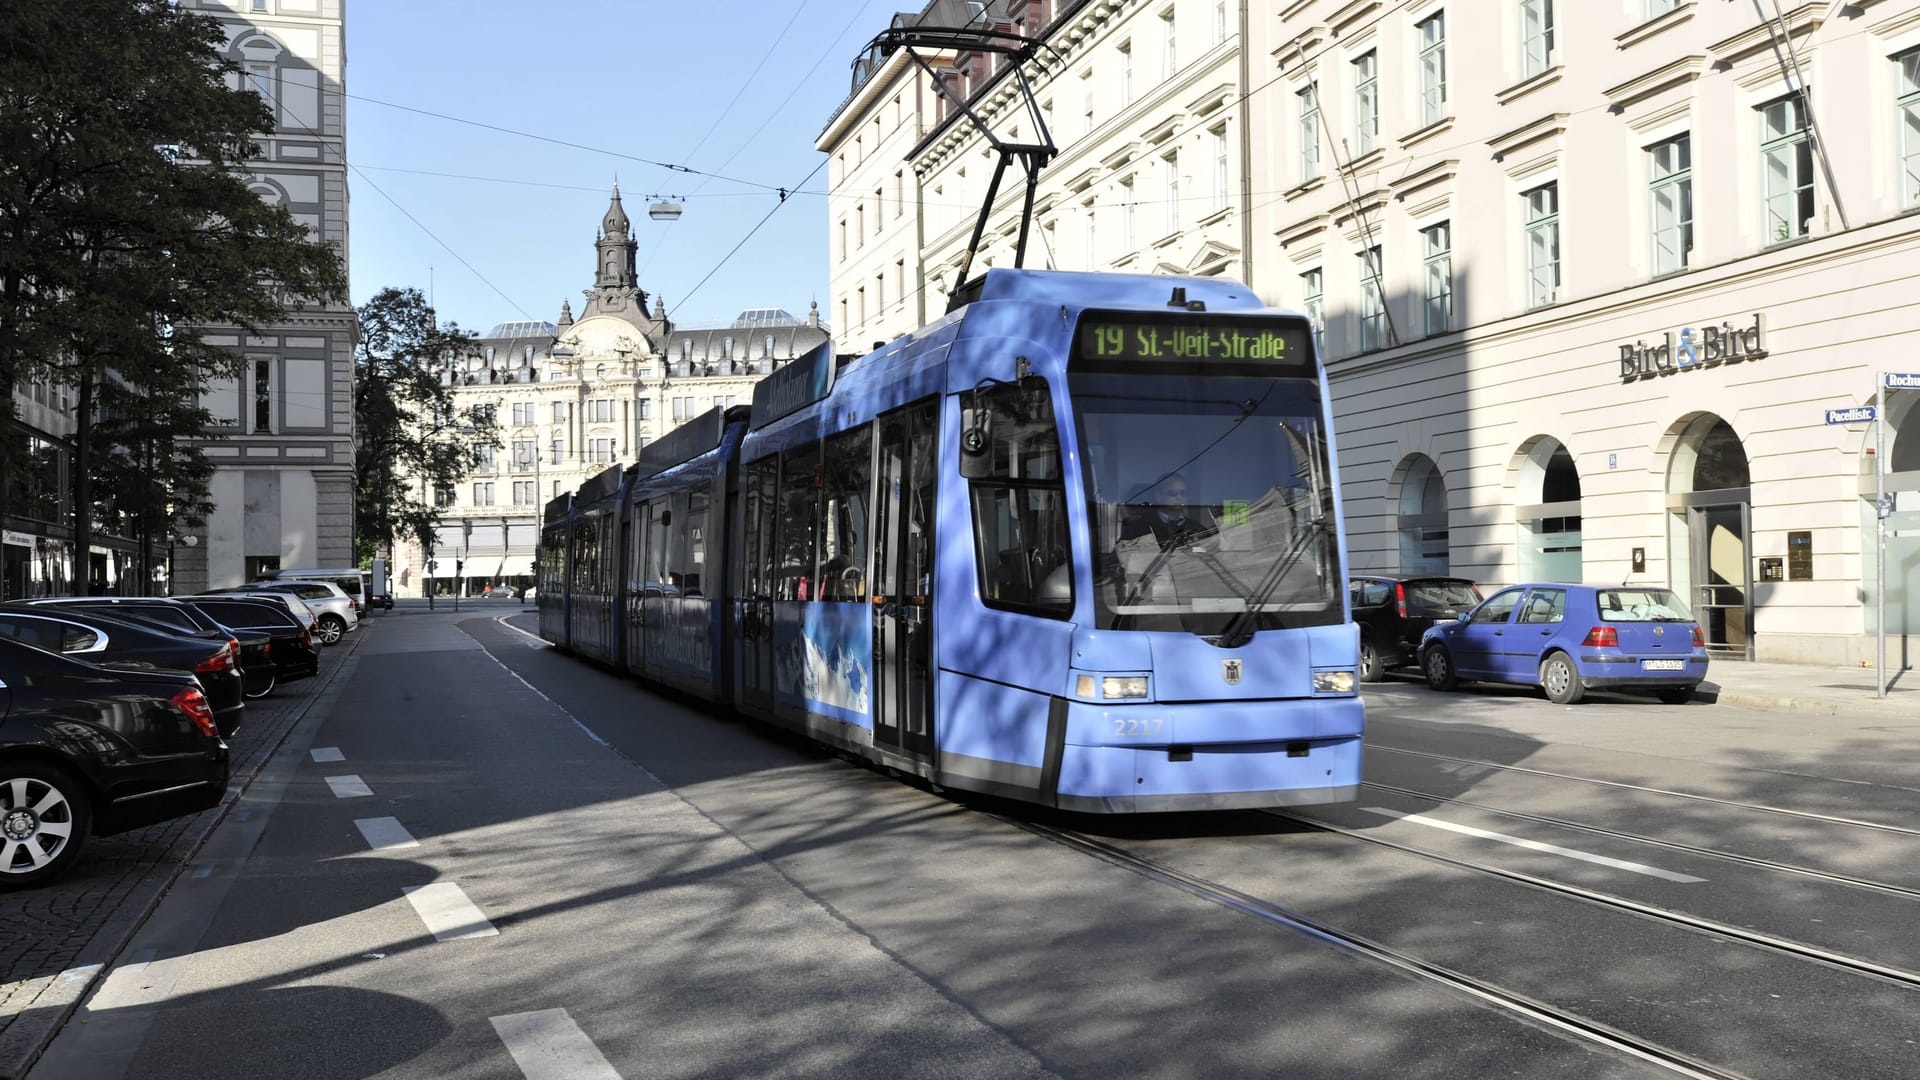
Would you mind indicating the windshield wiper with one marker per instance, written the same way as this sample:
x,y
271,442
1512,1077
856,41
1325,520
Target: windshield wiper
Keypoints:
x,y
1235,634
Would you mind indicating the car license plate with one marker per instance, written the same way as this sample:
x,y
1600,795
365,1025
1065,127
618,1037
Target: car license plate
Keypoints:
x,y
1663,665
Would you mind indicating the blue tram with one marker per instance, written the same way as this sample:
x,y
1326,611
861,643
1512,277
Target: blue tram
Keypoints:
x,y
1078,542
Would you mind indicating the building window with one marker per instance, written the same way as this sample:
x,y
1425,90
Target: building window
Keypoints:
x,y
1366,103
1309,99
1433,68
726,349
600,450
899,193
1670,167
1657,8
646,408
1126,74
1170,166
1373,308
682,409
260,80
1536,37
1437,277
262,396
1222,176
526,454
527,355
1169,59
558,451
559,412
522,492
1786,156
442,496
522,413
600,411
1909,106
483,494
843,239
1543,244
556,489
1312,298
483,457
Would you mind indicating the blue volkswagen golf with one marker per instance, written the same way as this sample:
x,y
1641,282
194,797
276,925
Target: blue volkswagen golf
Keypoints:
x,y
1569,639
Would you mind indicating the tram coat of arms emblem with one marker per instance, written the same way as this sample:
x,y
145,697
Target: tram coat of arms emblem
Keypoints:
x,y
1230,670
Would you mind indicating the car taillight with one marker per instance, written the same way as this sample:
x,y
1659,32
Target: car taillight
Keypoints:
x,y
1699,638
266,650
189,700
220,661
353,605
1604,637
1400,599
306,638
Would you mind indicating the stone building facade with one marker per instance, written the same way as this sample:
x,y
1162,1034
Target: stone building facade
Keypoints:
x,y
282,488
578,395
1548,358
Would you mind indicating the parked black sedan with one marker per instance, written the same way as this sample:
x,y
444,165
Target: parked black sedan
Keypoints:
x,y
295,654
98,638
90,751
258,673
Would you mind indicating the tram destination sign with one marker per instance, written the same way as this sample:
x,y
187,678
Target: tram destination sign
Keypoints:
x,y
1126,339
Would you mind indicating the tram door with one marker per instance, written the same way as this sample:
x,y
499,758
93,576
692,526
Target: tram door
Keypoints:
x,y
903,583
759,489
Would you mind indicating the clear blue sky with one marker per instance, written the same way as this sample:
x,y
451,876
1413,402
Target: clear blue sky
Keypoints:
x,y
651,80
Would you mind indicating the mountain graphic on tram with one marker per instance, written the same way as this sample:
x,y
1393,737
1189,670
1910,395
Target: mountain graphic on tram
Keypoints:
x,y
1077,542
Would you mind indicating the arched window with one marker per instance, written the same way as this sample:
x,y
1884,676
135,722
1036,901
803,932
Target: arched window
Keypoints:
x,y
766,347
726,349
489,356
528,353
599,371
686,349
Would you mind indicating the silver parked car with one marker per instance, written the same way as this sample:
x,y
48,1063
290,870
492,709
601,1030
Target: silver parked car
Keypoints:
x,y
335,612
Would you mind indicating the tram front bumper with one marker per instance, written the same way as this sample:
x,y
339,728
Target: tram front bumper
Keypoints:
x,y
1214,756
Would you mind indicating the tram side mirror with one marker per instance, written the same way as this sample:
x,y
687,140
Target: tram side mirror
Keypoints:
x,y
976,442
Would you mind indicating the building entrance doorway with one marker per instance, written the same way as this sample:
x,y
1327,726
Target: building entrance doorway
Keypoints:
x,y
1707,490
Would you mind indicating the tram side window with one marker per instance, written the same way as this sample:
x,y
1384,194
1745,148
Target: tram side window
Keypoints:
x,y
843,525
654,573
686,542
698,518
637,552
1020,505
761,489
795,577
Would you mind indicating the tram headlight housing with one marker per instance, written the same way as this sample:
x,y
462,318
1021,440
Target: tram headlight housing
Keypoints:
x,y
1333,682
1123,687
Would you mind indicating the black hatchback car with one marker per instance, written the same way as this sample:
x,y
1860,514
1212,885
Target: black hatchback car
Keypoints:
x,y
97,638
90,751
257,671
1394,611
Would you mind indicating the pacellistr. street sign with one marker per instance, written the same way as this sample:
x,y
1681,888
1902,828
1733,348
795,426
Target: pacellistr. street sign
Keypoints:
x,y
1859,414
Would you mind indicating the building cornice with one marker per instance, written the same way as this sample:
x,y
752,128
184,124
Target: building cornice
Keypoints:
x,y
1666,76
1801,21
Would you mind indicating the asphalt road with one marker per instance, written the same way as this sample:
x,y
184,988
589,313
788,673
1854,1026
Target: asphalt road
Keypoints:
x,y
494,860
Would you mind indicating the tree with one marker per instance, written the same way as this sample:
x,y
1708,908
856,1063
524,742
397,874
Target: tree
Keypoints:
x,y
409,438
125,218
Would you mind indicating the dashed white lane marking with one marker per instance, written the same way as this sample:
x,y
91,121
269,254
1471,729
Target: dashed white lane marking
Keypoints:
x,y
1533,845
447,912
348,787
327,753
383,833
548,1045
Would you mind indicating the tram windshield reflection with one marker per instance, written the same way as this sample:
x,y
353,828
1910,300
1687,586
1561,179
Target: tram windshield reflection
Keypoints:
x,y
1210,502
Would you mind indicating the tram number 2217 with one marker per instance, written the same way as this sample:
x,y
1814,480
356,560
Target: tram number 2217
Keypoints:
x,y
1138,725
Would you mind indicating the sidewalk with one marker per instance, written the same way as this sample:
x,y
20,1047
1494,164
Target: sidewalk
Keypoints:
x,y
1818,691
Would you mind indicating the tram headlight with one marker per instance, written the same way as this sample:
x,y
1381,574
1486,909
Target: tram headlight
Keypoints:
x,y
1123,686
1333,682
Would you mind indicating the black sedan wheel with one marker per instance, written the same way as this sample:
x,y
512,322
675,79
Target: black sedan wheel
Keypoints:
x,y
44,820
1560,680
331,629
259,686
1372,668
1438,664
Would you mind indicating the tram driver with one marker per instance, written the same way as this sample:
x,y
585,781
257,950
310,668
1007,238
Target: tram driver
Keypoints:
x,y
1167,516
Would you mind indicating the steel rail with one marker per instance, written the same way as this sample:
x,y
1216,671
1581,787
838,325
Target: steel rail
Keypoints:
x,y
1804,814
1527,1008
1671,845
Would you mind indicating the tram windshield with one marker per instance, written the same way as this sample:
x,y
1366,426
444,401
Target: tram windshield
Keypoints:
x,y
1210,500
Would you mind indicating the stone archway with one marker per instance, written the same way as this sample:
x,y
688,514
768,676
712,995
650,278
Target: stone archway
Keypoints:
x,y
1709,494
1547,544
1422,519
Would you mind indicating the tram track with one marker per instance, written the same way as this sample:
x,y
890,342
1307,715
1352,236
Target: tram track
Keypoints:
x,y
1826,876
1524,1007
1804,815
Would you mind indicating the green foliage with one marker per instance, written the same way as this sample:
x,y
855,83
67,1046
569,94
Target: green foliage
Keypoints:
x,y
126,223
409,438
